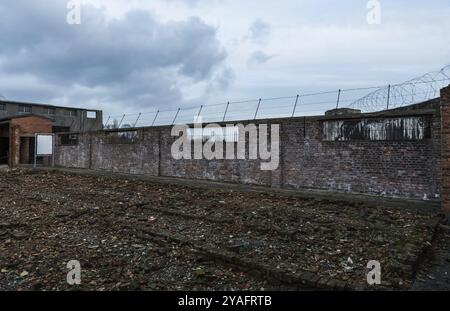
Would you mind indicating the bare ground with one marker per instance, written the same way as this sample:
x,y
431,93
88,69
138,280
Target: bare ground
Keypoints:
x,y
138,235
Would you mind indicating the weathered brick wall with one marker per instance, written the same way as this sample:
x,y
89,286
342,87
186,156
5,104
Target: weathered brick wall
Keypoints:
x,y
401,168
32,124
392,168
14,145
141,157
238,171
74,156
445,120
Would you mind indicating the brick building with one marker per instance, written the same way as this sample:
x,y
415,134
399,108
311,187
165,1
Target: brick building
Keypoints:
x,y
64,119
19,122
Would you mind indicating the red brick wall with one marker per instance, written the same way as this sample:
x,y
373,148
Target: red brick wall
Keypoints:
x,y
14,145
32,125
445,149
21,126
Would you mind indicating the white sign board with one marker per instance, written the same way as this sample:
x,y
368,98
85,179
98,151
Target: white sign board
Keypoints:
x,y
44,144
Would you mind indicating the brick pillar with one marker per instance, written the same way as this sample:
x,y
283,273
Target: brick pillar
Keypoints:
x,y
25,150
445,150
14,146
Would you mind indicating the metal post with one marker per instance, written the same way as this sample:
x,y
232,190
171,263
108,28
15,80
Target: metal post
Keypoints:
x,y
388,97
199,113
137,120
257,109
226,110
106,124
154,120
53,150
338,99
295,106
176,116
35,149
120,124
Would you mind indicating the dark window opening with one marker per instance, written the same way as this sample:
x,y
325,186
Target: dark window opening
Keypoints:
x,y
4,150
69,140
125,137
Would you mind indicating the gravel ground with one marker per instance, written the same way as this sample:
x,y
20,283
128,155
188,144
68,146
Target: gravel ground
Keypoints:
x,y
48,219
434,273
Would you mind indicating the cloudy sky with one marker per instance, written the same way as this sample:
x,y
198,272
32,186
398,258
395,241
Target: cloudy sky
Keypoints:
x,y
140,55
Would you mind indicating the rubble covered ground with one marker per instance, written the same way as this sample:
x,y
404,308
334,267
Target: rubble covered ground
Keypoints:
x,y
131,234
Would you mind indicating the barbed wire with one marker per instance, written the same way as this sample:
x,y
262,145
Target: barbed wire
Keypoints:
x,y
416,90
379,98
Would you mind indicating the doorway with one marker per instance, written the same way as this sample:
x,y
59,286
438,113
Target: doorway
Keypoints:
x,y
27,146
4,150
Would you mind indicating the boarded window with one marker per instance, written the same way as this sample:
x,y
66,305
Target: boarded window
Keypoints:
x,y
401,128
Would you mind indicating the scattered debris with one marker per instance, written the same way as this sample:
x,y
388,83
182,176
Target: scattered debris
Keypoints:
x,y
137,235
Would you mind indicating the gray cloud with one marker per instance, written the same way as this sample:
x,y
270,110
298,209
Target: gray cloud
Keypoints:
x,y
136,60
196,3
260,57
259,31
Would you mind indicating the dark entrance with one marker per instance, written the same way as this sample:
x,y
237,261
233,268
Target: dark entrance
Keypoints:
x,y
4,143
27,146
4,150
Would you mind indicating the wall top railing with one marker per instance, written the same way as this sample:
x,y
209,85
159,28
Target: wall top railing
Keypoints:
x,y
366,99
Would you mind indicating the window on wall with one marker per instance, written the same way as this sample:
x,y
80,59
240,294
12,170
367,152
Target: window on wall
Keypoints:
x,y
69,139
70,113
49,111
91,114
25,108
2,107
123,137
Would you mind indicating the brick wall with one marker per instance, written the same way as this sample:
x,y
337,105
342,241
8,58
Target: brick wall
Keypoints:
x,y
32,125
14,146
397,168
445,113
